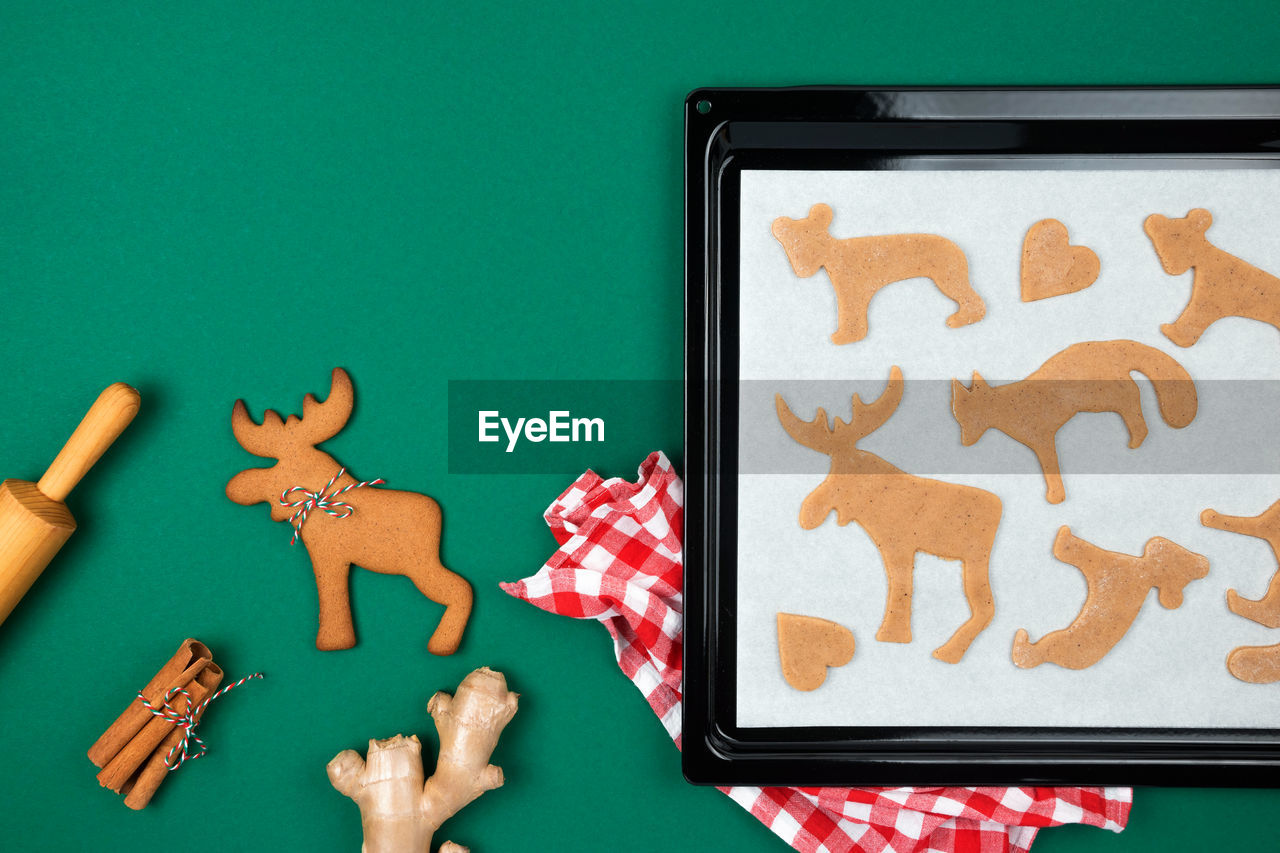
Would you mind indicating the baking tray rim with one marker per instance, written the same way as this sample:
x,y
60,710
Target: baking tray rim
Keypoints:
x,y
885,128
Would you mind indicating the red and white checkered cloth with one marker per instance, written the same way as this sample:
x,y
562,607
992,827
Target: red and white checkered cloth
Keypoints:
x,y
620,562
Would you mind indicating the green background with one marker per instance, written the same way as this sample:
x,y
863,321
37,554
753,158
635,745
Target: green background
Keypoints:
x,y
215,200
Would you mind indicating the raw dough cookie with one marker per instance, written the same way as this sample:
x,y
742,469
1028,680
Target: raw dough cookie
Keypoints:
x,y
1223,285
1118,586
1051,266
808,645
860,266
902,513
1266,610
1087,377
1255,664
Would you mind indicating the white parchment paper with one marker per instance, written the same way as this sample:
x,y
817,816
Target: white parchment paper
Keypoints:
x,y
1169,670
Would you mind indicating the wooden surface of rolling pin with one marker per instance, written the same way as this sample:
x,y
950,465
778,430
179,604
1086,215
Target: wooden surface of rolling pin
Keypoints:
x,y
34,521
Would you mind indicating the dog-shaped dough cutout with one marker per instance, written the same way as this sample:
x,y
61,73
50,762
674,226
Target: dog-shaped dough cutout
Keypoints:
x,y
1118,586
1223,285
859,266
1092,376
1051,266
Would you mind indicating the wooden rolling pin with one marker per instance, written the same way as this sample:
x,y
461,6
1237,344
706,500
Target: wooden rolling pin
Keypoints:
x,y
34,521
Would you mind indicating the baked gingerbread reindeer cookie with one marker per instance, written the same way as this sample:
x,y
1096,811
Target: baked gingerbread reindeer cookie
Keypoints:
x,y
859,266
342,521
1118,587
1086,377
902,513
1223,285
1255,664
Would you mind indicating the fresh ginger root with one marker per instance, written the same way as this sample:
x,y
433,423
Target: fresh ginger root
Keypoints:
x,y
400,812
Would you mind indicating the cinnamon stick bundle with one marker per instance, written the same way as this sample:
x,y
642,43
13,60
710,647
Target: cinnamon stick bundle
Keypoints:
x,y
191,657
139,789
132,751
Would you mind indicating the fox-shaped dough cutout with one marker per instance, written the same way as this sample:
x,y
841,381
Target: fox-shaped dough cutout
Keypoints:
x,y
1092,376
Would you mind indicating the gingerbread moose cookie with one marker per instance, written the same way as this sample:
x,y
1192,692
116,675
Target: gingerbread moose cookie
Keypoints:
x,y
902,513
1223,285
1087,377
342,521
859,266
1118,586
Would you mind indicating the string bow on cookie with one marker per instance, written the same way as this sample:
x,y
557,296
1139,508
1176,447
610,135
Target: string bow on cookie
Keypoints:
x,y
322,500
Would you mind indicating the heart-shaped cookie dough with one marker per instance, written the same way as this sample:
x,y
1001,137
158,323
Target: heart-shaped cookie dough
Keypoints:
x,y
808,645
1051,266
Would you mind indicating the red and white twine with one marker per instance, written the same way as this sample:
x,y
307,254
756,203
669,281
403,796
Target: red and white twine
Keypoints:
x,y
322,500
186,720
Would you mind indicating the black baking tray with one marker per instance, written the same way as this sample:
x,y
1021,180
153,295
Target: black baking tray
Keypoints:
x,y
732,129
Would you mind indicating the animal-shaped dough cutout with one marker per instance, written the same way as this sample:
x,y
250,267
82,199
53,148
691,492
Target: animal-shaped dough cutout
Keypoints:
x,y
342,521
902,513
1223,285
860,266
1087,377
1255,664
1118,586
1051,266
1266,526
808,646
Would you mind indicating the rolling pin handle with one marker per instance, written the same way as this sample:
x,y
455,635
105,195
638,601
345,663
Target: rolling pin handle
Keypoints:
x,y
106,419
